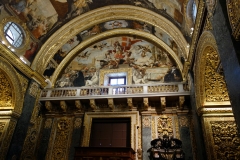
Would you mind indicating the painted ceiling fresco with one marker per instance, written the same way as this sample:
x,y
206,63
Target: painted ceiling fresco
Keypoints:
x,y
150,64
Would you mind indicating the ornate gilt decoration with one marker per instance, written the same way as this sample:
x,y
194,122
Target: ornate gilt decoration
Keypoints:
x,y
48,123
154,127
34,88
181,102
146,122
2,129
60,139
77,123
193,45
221,138
111,104
183,121
163,103
48,106
63,106
20,23
130,103
215,85
165,126
208,24
93,104
211,5
7,138
78,105
233,8
210,85
18,88
6,90
145,104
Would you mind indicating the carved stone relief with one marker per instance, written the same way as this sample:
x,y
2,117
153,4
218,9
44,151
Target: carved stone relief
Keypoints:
x,y
34,88
165,126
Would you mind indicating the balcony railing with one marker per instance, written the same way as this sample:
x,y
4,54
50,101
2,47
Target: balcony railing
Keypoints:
x,y
163,89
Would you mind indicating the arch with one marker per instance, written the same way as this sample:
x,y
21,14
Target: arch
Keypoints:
x,y
14,83
107,34
210,86
85,21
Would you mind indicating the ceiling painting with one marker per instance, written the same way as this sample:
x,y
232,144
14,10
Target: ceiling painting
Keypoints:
x,y
150,64
44,17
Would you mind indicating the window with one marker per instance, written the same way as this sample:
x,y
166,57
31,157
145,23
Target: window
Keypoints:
x,y
117,81
194,10
13,34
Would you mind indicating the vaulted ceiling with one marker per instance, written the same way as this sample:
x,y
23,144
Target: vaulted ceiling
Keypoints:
x,y
68,35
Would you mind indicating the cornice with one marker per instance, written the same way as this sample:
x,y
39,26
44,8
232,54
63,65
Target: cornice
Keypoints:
x,y
16,62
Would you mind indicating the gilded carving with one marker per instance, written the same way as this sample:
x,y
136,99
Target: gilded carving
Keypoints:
x,y
48,106
215,86
146,122
78,105
211,5
111,104
7,139
163,103
210,85
34,88
6,97
60,139
165,126
145,104
130,104
208,24
93,104
48,123
233,8
183,121
78,123
63,106
154,128
181,102
221,138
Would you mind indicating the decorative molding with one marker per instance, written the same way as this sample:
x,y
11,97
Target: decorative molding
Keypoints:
x,y
111,104
211,6
63,106
183,121
34,89
163,103
210,85
130,103
146,122
60,139
165,126
78,105
77,123
48,123
24,28
145,104
208,24
193,45
221,138
233,8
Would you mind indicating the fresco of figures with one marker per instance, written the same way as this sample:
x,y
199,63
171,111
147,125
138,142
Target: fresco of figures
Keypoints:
x,y
150,64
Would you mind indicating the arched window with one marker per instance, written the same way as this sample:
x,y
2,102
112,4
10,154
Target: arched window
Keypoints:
x,y
194,10
14,34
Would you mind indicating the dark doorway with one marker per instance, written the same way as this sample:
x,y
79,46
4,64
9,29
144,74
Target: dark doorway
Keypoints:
x,y
110,132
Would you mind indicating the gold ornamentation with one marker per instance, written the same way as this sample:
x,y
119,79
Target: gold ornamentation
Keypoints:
x,y
211,5
7,139
48,123
60,139
78,105
146,122
2,129
111,104
93,104
221,138
181,102
233,8
33,91
177,133
17,21
130,104
78,123
208,24
48,106
145,104
165,126
153,128
63,106
183,121
19,90
6,97
210,85
163,103
200,13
